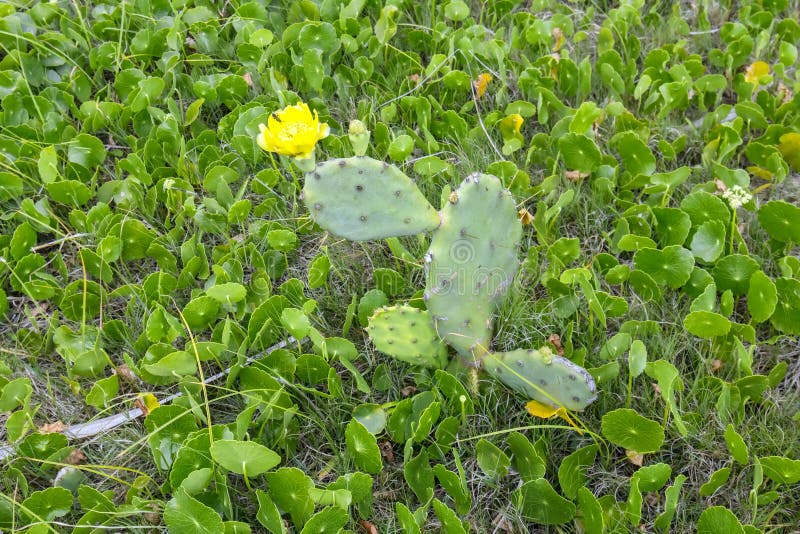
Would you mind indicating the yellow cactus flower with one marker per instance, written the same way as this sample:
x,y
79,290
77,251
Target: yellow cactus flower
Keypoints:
x,y
544,411
755,71
482,83
292,131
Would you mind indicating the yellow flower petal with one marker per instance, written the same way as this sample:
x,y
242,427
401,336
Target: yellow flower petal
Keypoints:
x,y
482,83
292,131
510,126
537,409
544,411
755,71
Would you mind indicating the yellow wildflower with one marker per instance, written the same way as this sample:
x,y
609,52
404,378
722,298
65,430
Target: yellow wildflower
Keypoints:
x,y
292,131
482,83
755,71
544,411
511,125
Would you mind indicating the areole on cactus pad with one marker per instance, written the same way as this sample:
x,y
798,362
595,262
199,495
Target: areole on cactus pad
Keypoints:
x,y
471,262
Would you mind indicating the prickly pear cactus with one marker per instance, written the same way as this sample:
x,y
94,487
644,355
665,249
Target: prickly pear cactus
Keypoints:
x,y
543,376
361,198
471,261
407,334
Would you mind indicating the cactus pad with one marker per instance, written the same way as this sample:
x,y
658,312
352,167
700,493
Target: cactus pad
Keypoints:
x,y
407,334
471,261
542,376
361,198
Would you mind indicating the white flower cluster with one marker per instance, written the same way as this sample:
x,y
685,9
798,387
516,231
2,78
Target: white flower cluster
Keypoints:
x,y
737,196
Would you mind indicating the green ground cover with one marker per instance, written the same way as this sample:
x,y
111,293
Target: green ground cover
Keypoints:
x,y
646,158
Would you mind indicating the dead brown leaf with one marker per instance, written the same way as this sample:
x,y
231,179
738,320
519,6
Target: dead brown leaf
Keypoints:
x,y
52,428
525,217
575,176
555,340
124,372
408,391
75,457
635,458
368,527
387,451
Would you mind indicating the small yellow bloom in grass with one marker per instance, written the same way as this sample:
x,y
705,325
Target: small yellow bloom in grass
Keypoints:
x,y
482,83
292,131
755,71
511,125
544,411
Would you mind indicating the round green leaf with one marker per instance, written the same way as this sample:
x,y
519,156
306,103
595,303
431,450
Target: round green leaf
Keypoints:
x,y
86,150
296,322
289,488
201,312
186,515
706,324
363,447
538,502
787,313
283,240
456,10
636,156
780,220
671,266
733,272
579,152
644,285
227,293
627,429
178,362
491,459
708,241
330,520
244,457
703,207
372,416
319,35
48,504
781,470
762,297
718,520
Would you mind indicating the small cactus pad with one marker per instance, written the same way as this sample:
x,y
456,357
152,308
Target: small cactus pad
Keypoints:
x,y
407,334
471,261
361,198
542,376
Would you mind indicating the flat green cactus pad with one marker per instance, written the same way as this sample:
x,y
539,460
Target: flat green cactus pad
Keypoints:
x,y
361,198
471,261
542,376
407,334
